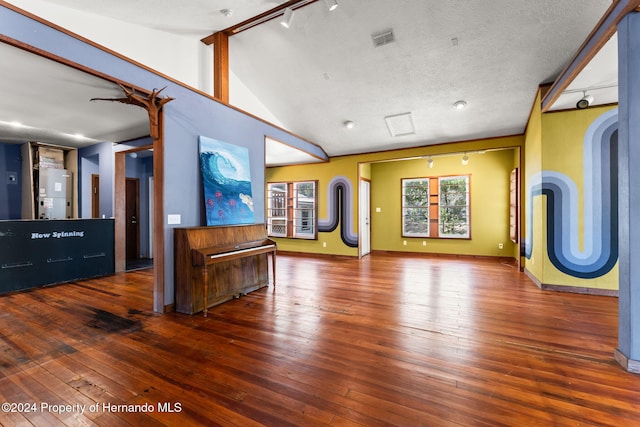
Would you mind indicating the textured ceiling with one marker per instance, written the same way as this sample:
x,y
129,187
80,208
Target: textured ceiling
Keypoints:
x,y
325,70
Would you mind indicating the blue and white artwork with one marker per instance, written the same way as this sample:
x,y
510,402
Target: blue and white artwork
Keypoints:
x,y
226,179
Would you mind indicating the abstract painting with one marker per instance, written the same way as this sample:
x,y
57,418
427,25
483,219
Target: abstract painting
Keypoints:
x,y
226,179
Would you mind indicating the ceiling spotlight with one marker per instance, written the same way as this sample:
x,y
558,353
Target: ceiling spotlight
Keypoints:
x,y
459,105
465,159
585,101
430,163
287,17
226,12
331,5
349,124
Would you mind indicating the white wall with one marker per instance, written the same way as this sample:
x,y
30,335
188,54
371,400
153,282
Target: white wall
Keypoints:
x,y
240,96
182,58
185,59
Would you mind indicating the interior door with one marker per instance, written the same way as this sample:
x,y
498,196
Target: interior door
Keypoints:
x,y
133,214
364,209
95,196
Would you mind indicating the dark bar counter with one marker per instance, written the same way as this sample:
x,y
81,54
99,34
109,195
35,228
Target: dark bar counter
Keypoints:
x,y
44,252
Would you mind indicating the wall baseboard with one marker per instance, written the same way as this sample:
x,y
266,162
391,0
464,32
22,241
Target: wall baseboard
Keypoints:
x,y
627,364
510,260
315,254
571,289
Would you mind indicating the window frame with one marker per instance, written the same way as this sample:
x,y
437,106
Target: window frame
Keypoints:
x,y
277,213
432,204
405,206
296,216
466,207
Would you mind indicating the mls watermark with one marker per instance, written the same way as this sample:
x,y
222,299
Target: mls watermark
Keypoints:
x,y
104,407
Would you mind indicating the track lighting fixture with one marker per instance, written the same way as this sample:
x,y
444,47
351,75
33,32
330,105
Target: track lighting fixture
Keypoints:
x,y
465,159
331,5
585,101
287,17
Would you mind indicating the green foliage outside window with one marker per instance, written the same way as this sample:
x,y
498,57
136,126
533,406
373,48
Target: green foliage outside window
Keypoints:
x,y
454,207
415,207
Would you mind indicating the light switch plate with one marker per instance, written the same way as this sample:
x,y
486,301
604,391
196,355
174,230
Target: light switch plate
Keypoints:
x,y
174,219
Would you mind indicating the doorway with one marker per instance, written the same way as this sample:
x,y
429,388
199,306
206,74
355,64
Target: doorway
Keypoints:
x,y
95,196
132,208
364,208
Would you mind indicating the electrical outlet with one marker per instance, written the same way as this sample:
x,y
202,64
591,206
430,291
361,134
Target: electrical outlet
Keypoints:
x,y
324,244
12,177
404,242
424,243
500,246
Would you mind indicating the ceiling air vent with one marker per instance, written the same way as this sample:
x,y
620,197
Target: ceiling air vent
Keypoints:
x,y
385,37
400,124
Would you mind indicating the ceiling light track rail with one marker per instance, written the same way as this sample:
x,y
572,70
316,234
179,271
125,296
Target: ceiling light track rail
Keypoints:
x,y
262,18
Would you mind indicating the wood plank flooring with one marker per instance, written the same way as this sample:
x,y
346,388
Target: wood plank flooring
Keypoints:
x,y
388,340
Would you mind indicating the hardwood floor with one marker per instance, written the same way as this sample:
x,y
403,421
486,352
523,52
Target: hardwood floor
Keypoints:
x,y
387,340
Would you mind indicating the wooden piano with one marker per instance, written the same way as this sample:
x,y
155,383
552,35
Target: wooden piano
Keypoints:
x,y
216,264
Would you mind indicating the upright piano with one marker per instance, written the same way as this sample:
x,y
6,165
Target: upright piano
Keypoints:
x,y
216,264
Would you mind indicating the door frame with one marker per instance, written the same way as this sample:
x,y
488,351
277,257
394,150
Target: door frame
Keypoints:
x,y
137,214
95,195
364,217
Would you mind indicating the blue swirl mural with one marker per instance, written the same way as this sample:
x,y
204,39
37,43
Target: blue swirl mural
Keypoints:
x,y
340,210
600,243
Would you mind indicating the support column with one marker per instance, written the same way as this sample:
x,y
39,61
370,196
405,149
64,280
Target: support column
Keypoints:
x,y
628,351
221,67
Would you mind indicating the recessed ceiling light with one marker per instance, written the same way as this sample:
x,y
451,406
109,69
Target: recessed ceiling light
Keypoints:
x,y
226,12
349,124
459,105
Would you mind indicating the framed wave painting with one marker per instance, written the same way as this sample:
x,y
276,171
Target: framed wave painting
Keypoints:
x,y
226,180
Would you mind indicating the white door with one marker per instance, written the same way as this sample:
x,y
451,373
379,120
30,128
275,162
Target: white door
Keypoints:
x,y
364,214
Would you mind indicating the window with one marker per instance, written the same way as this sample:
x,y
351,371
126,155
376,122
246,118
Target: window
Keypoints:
x,y
304,209
436,207
454,207
292,209
277,210
513,206
415,207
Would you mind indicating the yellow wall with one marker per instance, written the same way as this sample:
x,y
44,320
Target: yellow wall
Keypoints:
x,y
323,172
351,166
489,182
562,151
554,142
533,166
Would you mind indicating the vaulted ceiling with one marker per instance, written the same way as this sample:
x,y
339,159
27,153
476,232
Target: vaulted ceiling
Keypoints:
x,y
325,70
